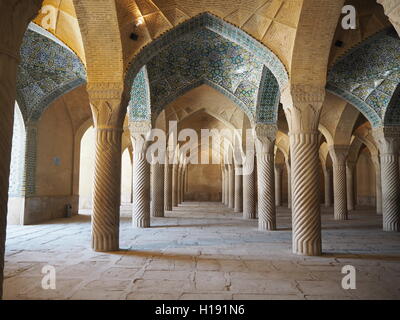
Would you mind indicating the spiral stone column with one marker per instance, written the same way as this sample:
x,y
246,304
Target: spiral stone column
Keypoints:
x,y
15,17
185,173
302,105
108,103
182,184
231,186
378,183
289,175
328,186
175,185
238,189
249,188
278,185
141,174
339,155
107,189
350,167
265,142
226,186
167,185
157,190
222,184
388,140
179,184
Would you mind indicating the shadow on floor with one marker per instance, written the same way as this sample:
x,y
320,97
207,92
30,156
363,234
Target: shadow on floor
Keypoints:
x,y
361,256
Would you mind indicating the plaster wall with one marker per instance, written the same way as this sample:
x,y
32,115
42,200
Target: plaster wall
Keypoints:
x,y
204,182
54,167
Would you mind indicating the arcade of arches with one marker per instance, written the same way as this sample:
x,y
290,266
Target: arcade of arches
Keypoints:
x,y
318,105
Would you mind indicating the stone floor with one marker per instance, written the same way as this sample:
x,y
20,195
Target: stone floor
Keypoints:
x,y
203,251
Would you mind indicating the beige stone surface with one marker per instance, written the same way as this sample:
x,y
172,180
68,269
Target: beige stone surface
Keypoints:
x,y
203,251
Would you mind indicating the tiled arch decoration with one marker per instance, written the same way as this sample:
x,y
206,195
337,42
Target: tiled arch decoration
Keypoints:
x,y
48,69
268,99
368,76
209,24
392,114
139,104
181,91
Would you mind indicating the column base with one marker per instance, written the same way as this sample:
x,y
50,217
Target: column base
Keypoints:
x,y
158,214
266,225
394,227
101,244
136,223
341,217
309,250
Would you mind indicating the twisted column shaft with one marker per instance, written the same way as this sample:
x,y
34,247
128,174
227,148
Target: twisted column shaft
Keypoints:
x,y
278,186
350,186
306,219
249,188
175,185
222,184
226,186
390,192
266,191
157,190
378,184
338,155
179,191
388,141
328,187
238,190
107,190
231,186
141,190
182,189
289,177
168,187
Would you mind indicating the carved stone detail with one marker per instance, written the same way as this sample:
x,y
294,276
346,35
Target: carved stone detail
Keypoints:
x,y
238,190
231,186
339,155
167,185
388,140
107,190
157,190
249,190
305,193
265,141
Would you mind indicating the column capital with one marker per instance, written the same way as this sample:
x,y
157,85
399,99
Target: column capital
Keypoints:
x,y
302,105
339,154
108,103
139,131
387,139
265,135
351,164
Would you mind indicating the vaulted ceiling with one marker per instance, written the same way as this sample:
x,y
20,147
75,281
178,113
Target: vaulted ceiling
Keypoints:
x,y
368,76
48,69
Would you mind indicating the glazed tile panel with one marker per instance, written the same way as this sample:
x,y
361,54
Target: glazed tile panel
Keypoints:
x,y
368,77
209,50
47,71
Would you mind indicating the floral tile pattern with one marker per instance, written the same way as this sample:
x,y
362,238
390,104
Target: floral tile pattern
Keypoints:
x,y
47,71
368,77
139,105
209,50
